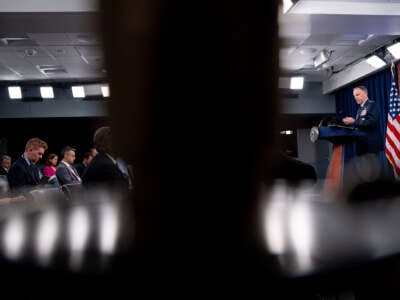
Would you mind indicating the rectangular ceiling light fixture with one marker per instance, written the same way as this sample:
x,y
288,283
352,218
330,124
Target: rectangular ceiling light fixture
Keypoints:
x,y
14,92
105,90
376,62
78,92
46,92
287,4
394,50
296,83
287,132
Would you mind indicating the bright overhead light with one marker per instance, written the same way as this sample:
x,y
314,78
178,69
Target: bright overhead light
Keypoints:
x,y
287,4
296,83
375,61
46,92
78,92
287,132
394,50
105,90
14,92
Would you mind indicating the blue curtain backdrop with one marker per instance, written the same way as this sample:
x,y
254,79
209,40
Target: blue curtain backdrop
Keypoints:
x,y
378,86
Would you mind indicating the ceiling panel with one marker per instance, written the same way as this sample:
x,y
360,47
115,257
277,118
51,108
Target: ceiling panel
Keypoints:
x,y
5,71
83,38
31,52
25,69
37,61
21,63
62,51
90,51
350,37
361,7
49,39
320,39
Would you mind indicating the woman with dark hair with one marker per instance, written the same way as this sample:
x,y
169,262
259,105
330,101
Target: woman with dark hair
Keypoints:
x,y
51,163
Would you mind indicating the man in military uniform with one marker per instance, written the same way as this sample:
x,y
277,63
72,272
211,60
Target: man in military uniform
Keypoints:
x,y
367,120
366,166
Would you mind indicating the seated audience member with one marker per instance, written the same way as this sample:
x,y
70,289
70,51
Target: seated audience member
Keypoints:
x,y
65,172
49,170
293,171
87,158
104,169
24,171
5,164
93,151
51,163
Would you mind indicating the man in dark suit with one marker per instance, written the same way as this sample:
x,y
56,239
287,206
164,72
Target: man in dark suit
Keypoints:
x,y
5,164
65,172
87,158
104,168
24,171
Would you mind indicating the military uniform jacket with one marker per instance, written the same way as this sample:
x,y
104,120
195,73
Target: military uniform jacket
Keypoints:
x,y
367,120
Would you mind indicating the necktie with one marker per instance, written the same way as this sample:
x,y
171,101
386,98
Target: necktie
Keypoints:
x,y
34,172
74,172
359,112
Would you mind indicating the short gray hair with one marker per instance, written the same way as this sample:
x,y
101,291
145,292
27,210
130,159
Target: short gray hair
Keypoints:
x,y
5,157
361,87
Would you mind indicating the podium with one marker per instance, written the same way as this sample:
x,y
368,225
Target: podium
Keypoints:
x,y
338,135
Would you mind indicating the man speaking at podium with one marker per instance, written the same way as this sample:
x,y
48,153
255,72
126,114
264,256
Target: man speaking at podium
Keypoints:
x,y
366,165
367,119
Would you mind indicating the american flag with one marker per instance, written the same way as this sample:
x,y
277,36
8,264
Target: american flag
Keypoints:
x,y
393,126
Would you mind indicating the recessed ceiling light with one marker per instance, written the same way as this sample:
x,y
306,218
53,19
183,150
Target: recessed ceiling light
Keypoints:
x,y
78,92
105,90
46,92
14,92
60,51
296,83
394,50
31,52
287,132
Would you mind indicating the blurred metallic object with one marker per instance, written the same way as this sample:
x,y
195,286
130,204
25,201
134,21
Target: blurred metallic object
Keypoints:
x,y
310,234
14,237
314,134
322,58
64,233
47,234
